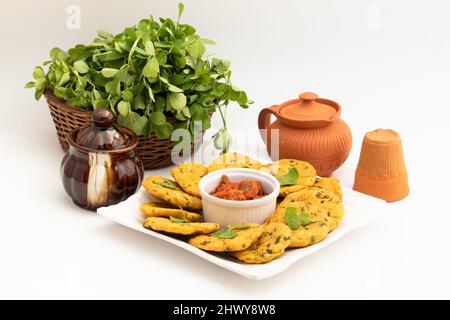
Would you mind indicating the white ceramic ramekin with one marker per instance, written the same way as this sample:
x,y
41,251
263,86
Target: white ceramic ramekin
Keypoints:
x,y
226,212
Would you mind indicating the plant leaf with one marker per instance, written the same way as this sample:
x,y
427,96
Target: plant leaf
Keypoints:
x,y
124,108
139,102
40,84
38,94
180,11
164,131
165,184
104,34
197,49
38,73
170,86
127,95
29,85
81,66
139,125
185,112
243,226
109,72
289,178
179,220
175,89
222,140
96,94
58,54
177,100
294,220
151,68
224,234
64,79
149,48
158,118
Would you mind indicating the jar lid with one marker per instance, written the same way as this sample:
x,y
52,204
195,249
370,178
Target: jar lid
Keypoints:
x,y
103,133
309,111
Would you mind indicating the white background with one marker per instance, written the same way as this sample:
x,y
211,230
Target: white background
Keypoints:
x,y
386,62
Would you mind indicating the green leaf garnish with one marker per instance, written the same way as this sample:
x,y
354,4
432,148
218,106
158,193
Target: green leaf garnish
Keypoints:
x,y
179,220
224,234
294,220
289,178
165,184
243,226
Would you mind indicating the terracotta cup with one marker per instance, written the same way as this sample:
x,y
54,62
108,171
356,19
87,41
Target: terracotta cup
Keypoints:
x,y
381,169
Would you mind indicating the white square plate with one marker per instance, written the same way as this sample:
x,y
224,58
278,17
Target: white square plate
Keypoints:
x,y
359,210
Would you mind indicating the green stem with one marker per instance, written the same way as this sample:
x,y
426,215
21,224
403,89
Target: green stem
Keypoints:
x,y
224,121
130,54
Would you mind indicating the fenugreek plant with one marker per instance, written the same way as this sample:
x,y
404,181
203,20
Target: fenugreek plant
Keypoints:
x,y
145,74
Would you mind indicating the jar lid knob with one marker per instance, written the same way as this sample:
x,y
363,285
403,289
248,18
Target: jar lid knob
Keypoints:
x,y
308,96
103,118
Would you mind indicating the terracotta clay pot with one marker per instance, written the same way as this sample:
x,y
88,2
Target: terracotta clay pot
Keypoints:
x,y
310,129
102,166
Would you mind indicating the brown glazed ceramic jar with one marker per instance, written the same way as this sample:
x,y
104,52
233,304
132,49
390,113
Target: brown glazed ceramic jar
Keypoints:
x,y
310,129
101,167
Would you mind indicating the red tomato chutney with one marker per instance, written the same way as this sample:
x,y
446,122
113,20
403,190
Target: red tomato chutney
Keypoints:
x,y
243,190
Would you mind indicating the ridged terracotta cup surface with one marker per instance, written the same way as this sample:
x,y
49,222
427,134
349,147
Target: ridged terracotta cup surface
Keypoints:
x,y
381,169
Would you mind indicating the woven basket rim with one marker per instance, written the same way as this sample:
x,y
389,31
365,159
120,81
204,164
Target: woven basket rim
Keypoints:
x,y
154,152
50,96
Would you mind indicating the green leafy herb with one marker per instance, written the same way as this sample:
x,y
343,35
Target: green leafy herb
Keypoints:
x,y
38,73
124,108
109,72
180,11
178,220
225,233
151,68
222,140
81,66
289,178
145,74
158,118
177,100
166,184
239,226
294,220
163,131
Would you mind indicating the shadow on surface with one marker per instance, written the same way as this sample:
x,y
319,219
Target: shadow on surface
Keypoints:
x,y
198,267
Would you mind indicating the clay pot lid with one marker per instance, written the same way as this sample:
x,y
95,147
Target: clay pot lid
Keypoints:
x,y
309,111
103,134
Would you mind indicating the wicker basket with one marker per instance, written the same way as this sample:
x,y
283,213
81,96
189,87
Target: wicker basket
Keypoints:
x,y
154,152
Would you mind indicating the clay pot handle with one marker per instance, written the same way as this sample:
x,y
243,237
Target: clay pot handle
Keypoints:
x,y
264,121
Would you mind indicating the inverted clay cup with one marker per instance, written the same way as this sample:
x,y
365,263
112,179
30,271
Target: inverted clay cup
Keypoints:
x,y
381,169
